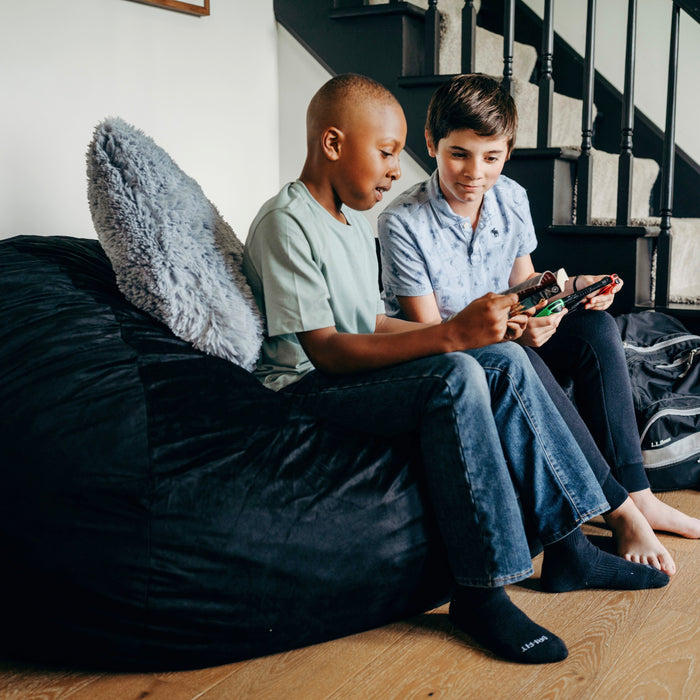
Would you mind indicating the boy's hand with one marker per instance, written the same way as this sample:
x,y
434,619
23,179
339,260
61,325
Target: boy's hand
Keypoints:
x,y
485,321
596,301
540,329
517,325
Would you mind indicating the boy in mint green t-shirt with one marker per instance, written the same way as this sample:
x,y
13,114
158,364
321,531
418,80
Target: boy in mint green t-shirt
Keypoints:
x,y
345,280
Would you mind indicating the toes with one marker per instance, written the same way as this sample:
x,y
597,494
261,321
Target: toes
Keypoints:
x,y
652,561
668,566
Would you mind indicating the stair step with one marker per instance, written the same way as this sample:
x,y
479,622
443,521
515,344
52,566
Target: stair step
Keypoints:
x,y
566,117
489,50
604,183
685,272
685,281
489,46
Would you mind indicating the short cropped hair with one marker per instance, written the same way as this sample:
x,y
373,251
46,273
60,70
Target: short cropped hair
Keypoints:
x,y
348,89
472,101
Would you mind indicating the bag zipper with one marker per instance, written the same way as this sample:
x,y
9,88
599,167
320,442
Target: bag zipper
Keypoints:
x,y
687,360
647,349
668,412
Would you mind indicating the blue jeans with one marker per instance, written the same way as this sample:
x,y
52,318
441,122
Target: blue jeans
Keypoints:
x,y
491,442
588,349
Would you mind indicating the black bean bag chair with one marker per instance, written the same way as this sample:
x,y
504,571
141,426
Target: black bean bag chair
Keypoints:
x,y
160,509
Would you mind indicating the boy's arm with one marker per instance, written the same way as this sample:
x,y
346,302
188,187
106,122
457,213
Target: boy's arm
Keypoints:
x,y
404,269
387,324
522,269
483,322
423,309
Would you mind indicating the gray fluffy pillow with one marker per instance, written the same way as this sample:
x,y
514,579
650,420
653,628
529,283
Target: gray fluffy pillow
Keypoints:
x,y
173,254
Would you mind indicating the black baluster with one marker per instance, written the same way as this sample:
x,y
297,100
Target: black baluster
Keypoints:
x,y
626,161
468,37
508,43
546,81
663,242
432,39
583,180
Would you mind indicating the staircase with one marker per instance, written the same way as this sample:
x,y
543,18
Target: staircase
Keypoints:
x,y
391,41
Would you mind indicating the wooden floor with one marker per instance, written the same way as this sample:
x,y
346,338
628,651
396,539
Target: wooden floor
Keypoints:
x,y
642,644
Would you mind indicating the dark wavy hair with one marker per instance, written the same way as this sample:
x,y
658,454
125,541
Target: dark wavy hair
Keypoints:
x,y
472,101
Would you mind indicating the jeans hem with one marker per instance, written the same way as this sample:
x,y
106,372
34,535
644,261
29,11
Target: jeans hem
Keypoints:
x,y
580,520
497,582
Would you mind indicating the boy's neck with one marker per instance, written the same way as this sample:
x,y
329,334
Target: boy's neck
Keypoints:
x,y
324,194
467,210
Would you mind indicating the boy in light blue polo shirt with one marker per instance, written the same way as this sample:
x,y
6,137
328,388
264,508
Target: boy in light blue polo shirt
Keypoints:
x,y
428,248
468,230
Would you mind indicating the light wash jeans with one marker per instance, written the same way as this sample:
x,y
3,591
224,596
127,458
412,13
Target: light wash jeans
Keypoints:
x,y
491,442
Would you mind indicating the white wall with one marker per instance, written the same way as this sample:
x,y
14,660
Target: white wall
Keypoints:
x,y
300,75
204,88
653,31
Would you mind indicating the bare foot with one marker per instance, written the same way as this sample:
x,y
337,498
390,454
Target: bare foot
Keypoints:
x,y
661,516
636,540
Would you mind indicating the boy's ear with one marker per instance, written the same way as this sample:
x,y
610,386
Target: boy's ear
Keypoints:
x,y
331,141
429,144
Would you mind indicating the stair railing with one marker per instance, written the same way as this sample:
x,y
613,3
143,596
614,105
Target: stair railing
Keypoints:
x,y
663,242
663,245
626,160
545,106
432,39
546,81
508,43
469,13
584,180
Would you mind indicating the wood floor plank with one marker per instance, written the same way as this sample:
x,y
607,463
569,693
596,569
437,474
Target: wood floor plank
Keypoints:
x,y
312,672
660,662
597,627
19,681
182,685
433,661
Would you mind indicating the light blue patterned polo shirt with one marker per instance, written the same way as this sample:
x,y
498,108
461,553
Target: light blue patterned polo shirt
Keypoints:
x,y
427,248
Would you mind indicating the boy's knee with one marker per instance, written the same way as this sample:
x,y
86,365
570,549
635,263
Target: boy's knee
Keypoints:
x,y
460,371
502,355
601,322
598,330
590,323
460,363
507,361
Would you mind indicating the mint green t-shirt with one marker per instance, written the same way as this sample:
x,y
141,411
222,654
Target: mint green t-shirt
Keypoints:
x,y
308,271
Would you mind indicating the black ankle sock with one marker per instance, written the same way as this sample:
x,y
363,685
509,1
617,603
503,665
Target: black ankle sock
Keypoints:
x,y
491,619
573,563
